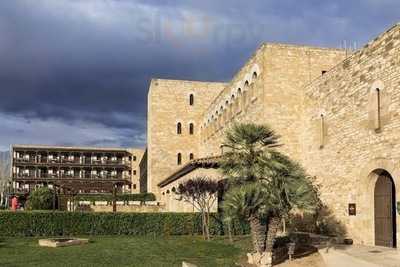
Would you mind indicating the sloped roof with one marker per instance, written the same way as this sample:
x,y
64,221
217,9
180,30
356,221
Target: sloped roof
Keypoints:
x,y
207,162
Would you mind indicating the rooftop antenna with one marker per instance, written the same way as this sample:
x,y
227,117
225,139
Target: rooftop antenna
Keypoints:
x,y
349,48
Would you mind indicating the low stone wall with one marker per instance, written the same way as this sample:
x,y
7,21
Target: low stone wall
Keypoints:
x,y
131,206
128,208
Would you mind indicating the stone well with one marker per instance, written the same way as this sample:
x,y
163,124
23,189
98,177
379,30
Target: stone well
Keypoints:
x,y
62,242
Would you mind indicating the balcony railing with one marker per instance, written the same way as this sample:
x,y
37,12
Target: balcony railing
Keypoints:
x,y
78,161
70,176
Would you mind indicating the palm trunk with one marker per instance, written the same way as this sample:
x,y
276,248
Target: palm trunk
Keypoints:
x,y
257,234
273,227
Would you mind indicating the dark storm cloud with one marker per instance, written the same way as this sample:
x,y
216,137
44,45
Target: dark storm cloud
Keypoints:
x,y
89,62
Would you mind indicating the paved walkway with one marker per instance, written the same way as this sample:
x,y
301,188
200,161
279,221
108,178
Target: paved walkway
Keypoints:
x,y
360,256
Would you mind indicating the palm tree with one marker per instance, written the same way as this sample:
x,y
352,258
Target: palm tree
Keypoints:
x,y
247,202
289,189
250,150
249,160
264,184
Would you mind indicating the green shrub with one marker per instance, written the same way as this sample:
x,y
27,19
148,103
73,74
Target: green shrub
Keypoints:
x,y
40,199
59,223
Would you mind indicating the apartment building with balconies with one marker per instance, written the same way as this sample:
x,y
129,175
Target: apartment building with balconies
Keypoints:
x,y
38,165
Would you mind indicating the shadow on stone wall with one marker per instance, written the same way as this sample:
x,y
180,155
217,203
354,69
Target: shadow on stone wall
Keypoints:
x,y
323,222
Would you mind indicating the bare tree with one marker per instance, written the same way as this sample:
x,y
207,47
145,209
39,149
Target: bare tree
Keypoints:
x,y
201,193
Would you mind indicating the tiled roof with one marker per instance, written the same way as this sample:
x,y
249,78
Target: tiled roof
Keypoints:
x,y
207,162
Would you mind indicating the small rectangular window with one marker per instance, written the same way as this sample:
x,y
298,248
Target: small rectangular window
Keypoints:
x,y
191,99
179,159
321,131
377,119
191,128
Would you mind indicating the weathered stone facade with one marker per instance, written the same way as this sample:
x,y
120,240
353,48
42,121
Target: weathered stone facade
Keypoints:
x,y
168,105
354,150
268,89
337,114
143,173
137,155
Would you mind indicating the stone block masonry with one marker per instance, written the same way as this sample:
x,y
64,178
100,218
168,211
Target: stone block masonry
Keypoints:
x,y
337,114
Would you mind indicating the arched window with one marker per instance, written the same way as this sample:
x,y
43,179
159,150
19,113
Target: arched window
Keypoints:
x,y
231,110
191,99
179,128
191,128
239,100
191,156
245,94
252,91
179,159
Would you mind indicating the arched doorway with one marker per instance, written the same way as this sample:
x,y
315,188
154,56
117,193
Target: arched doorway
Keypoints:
x,y
385,210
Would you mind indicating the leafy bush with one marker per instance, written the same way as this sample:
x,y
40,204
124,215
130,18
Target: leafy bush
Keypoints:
x,y
59,223
143,197
40,199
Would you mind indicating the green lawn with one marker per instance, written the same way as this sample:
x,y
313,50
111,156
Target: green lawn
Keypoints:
x,y
125,251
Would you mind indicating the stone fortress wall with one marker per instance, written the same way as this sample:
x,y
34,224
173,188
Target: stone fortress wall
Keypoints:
x,y
337,114
343,140
168,105
268,89
255,94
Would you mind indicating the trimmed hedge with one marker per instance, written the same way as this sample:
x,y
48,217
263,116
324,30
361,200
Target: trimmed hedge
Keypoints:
x,y
120,197
46,223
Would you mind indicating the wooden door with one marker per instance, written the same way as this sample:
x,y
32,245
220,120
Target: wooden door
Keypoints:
x,y
384,211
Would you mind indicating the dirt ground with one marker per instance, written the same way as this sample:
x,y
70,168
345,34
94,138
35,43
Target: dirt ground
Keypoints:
x,y
313,260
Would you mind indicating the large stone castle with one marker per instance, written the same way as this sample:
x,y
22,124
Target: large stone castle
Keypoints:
x,y
338,114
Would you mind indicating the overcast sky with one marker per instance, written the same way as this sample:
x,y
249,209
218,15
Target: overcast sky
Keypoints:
x,y
77,72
